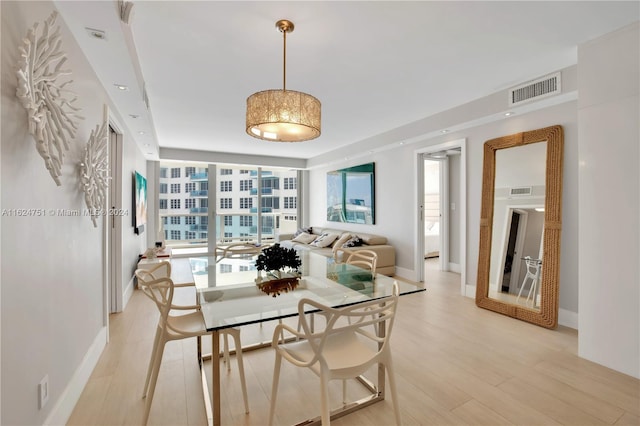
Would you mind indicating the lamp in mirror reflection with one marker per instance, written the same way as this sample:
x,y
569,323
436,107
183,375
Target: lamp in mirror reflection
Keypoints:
x,y
283,115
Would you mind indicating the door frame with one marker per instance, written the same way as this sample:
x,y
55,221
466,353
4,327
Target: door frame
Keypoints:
x,y
113,226
419,217
506,235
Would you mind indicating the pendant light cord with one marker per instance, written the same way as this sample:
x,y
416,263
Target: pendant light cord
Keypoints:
x,y
284,61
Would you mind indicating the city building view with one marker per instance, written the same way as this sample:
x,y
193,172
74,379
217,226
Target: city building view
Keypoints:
x,y
242,204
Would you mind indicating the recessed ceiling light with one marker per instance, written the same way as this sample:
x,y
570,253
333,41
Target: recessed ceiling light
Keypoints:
x,y
401,143
444,131
141,132
122,87
93,33
146,144
509,114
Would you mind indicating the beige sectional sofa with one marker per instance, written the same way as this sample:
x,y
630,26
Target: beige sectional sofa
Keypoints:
x,y
386,253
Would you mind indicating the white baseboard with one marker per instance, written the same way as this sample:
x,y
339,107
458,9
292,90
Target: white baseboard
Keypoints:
x,y
470,291
128,292
71,394
407,274
568,318
455,267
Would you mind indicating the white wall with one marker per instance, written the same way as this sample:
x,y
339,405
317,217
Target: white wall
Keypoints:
x,y
52,290
396,193
608,112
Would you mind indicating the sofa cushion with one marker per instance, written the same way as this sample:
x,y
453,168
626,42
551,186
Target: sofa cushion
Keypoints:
x,y
324,240
372,239
304,238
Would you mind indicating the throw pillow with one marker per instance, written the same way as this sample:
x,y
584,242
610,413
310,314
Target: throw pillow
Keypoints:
x,y
303,230
353,242
324,240
304,238
340,241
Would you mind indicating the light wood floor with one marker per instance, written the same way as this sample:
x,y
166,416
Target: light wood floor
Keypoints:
x,y
455,364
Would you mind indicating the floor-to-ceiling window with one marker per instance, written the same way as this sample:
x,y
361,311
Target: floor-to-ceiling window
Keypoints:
x,y
248,204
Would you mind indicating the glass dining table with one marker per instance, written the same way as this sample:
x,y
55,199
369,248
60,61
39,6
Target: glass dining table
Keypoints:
x,y
231,298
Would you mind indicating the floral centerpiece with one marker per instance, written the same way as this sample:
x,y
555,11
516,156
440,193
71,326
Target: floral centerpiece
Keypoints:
x,y
281,266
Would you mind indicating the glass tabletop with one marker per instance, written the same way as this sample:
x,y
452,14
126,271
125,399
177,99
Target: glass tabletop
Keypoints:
x,y
233,299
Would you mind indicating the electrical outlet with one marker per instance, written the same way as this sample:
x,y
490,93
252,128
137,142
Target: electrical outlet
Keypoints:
x,y
43,391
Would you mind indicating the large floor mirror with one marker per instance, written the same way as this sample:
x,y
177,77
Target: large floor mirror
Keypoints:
x,y
520,224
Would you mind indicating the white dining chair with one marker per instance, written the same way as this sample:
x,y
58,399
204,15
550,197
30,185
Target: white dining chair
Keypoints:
x,y
342,350
533,274
160,289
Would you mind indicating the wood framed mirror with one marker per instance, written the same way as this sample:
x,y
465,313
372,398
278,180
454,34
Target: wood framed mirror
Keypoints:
x,y
520,224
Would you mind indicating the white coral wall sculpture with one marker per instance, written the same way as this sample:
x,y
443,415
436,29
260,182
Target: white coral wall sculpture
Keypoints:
x,y
94,170
52,116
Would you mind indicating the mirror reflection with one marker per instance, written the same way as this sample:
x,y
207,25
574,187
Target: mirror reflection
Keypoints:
x,y
518,225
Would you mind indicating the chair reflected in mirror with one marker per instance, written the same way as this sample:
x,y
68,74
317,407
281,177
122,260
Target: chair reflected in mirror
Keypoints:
x,y
533,273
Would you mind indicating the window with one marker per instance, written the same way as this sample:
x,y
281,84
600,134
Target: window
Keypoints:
x,y
188,171
176,234
163,188
246,185
246,220
163,172
244,268
203,235
165,220
244,172
227,237
190,220
226,186
204,186
175,203
175,172
190,203
224,268
204,202
163,204
246,203
190,235
175,188
288,217
226,203
189,187
245,237
289,202
226,171
228,221
175,220
271,202
290,183
204,220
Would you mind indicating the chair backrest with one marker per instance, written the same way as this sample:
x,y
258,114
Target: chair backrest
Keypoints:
x,y
533,266
367,259
160,290
358,317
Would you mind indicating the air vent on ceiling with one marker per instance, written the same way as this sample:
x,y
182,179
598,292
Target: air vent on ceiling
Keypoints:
x,y
520,191
536,89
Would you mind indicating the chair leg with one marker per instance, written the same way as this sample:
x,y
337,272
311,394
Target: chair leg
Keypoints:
x,y
154,380
151,361
243,383
274,387
393,390
325,414
344,391
225,351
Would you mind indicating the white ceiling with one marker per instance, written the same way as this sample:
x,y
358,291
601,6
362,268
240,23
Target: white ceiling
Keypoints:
x,y
375,66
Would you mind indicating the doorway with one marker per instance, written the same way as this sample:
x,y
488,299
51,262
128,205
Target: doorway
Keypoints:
x,y
441,203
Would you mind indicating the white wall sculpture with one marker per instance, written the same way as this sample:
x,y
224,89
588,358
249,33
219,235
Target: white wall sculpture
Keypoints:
x,y
52,116
94,170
